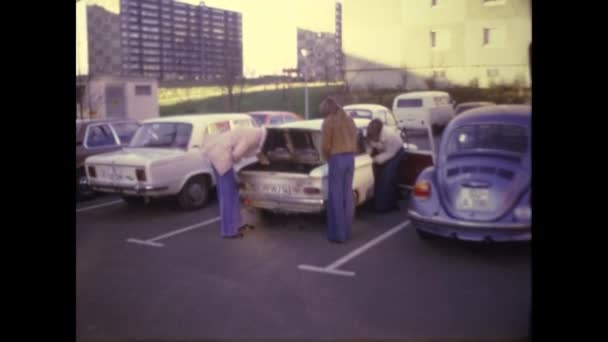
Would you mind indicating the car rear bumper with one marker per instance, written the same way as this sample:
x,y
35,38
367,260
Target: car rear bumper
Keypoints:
x,y
131,190
471,231
283,204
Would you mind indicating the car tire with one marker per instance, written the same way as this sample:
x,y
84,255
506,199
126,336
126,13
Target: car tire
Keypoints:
x,y
134,200
195,193
83,191
425,236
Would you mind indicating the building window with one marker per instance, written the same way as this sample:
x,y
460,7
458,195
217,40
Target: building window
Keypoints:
x,y
440,39
143,90
493,37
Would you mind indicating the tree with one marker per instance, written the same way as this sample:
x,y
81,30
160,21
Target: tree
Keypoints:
x,y
230,76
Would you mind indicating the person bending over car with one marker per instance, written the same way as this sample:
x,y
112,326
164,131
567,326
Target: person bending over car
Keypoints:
x,y
386,149
224,151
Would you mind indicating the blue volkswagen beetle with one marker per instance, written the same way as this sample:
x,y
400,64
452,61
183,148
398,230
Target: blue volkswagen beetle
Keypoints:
x,y
479,187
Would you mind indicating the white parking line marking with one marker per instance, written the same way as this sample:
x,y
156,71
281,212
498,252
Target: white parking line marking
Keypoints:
x,y
333,267
98,206
326,270
144,242
152,241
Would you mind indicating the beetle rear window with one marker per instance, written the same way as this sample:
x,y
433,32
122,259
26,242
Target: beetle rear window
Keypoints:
x,y
509,138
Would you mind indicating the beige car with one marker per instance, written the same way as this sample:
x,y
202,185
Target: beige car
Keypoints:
x,y
164,159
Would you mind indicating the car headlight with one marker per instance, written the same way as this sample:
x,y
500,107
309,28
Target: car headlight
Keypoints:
x,y
523,212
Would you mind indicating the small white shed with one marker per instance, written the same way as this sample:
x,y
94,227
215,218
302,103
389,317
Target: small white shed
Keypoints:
x,y
100,97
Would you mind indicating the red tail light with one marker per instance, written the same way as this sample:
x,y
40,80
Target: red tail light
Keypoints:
x,y
141,175
422,190
311,191
92,172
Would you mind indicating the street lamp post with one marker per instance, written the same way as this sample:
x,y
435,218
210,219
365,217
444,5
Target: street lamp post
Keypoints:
x,y
305,53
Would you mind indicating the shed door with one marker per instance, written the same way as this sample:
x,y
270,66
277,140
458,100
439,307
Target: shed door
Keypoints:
x,y
116,105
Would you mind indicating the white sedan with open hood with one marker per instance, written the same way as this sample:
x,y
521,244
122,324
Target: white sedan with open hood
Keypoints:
x,y
164,159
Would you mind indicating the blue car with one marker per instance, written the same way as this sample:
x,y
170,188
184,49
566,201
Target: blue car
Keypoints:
x,y
479,186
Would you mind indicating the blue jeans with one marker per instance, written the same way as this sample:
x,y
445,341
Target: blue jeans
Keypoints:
x,y
340,196
230,207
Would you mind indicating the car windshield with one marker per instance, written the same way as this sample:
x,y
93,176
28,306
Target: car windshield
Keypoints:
x,y
260,119
359,113
171,135
498,137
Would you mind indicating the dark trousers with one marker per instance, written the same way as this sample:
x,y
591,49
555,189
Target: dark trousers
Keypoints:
x,y
386,191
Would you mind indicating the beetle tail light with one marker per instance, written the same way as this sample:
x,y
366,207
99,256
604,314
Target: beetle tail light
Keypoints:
x,y
92,172
422,190
141,175
311,191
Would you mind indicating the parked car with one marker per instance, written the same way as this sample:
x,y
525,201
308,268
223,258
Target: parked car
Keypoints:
x,y
274,118
164,159
374,111
295,181
464,106
479,189
420,109
95,137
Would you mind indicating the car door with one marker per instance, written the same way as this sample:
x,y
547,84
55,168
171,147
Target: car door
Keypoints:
x,y
416,160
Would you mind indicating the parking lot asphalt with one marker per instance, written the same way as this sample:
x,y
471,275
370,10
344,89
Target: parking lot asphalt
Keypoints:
x,y
185,282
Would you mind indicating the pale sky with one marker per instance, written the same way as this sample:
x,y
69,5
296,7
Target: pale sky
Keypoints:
x,y
270,29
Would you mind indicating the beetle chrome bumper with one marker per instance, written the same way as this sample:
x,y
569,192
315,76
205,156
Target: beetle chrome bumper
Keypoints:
x,y
471,231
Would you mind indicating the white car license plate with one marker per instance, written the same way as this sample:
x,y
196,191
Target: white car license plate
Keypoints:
x,y
474,199
276,189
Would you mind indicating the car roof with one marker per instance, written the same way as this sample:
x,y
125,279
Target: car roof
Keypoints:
x,y
200,118
515,114
315,124
418,94
368,106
